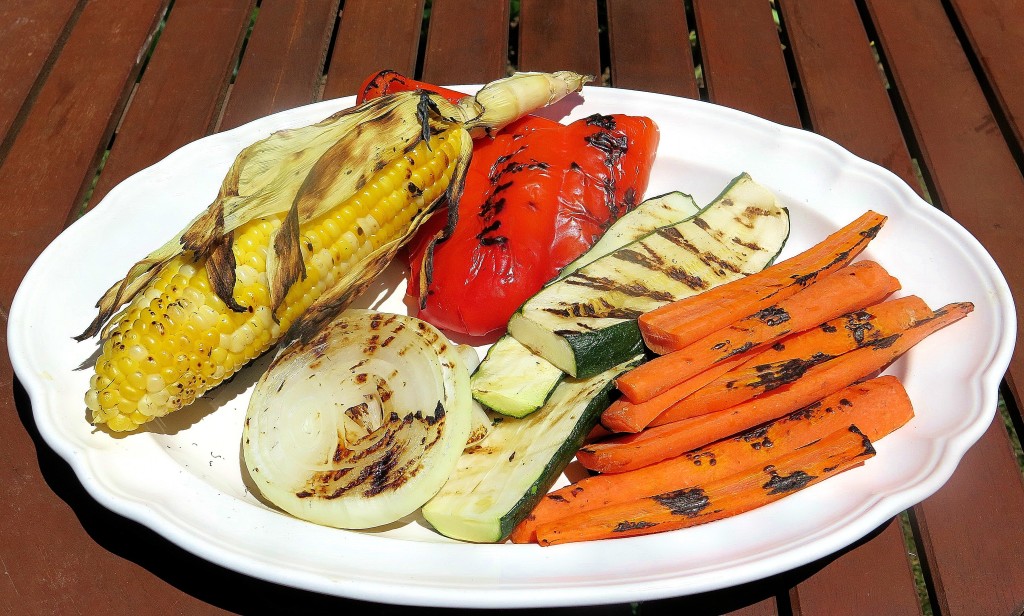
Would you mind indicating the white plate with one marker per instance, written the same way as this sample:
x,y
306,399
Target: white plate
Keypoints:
x,y
185,482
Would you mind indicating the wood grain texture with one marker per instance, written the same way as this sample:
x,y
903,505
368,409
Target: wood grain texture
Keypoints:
x,y
31,39
53,158
179,99
742,57
972,171
843,86
872,578
971,532
560,35
649,46
992,27
456,54
283,61
373,35
51,561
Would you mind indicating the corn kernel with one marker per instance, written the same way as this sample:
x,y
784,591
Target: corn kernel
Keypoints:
x,y
177,339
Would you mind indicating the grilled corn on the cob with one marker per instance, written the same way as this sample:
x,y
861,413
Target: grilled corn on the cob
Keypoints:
x,y
304,221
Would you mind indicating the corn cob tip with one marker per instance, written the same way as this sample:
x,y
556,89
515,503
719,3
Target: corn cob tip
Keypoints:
x,y
501,102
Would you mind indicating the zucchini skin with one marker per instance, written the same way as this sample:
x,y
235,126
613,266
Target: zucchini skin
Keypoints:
x,y
558,462
480,513
503,364
596,351
568,322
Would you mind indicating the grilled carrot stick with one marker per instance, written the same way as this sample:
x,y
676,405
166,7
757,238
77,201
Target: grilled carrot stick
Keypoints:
x,y
631,451
690,319
796,354
878,406
721,498
625,416
851,288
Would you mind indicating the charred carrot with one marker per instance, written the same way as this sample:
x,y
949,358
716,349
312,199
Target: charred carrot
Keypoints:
x,y
657,443
692,318
728,496
793,356
878,406
625,416
850,288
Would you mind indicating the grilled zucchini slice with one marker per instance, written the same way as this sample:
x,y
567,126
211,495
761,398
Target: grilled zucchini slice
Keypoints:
x,y
585,323
498,482
515,381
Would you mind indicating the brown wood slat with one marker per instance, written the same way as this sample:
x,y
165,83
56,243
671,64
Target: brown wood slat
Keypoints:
x,y
456,54
557,35
993,27
742,57
975,178
394,44
284,58
649,44
30,38
872,578
52,564
179,99
53,157
843,87
971,532
972,526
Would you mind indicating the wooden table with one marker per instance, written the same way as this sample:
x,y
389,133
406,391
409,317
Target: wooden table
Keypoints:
x,y
930,89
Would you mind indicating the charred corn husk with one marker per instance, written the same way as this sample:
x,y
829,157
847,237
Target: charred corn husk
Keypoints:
x,y
305,219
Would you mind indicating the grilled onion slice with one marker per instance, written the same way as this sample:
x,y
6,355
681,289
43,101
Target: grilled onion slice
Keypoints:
x,y
360,425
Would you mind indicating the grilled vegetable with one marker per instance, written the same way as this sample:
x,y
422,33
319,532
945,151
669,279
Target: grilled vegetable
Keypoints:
x,y
536,198
877,406
661,441
515,381
304,220
388,82
733,494
512,380
497,482
586,322
668,209
361,425
688,320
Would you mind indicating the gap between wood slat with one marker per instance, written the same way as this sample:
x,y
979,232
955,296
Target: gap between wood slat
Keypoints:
x,y
925,183
603,43
102,155
794,76
987,88
146,54
695,48
513,39
914,551
421,46
44,72
322,85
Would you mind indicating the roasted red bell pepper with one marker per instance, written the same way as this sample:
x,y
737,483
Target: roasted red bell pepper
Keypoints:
x,y
536,196
387,82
